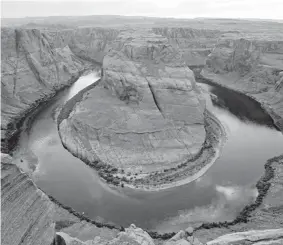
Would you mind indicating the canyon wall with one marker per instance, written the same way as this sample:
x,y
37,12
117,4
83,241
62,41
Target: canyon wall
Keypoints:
x,y
194,44
26,211
147,108
37,63
253,65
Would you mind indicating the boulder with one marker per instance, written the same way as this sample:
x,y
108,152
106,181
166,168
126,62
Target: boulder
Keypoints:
x,y
189,231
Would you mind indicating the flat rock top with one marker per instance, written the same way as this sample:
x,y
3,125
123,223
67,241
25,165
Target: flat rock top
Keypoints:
x,y
146,111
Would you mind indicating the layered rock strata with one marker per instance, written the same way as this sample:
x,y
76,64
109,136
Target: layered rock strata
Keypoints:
x,y
252,65
194,44
26,211
37,63
145,122
253,237
136,236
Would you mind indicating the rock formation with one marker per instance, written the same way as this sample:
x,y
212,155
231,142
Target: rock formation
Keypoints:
x,y
194,44
37,63
253,237
136,236
145,117
253,65
26,211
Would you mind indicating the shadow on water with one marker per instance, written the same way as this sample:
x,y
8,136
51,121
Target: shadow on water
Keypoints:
x,y
240,105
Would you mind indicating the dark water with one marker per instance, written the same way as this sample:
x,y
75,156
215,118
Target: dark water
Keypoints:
x,y
218,195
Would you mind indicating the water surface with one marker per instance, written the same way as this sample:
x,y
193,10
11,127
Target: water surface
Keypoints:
x,y
218,195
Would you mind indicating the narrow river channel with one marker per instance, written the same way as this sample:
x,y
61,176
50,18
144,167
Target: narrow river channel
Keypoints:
x,y
218,195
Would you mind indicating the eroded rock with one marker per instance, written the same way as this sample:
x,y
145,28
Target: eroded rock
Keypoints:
x,y
194,44
252,65
26,211
145,116
38,63
255,237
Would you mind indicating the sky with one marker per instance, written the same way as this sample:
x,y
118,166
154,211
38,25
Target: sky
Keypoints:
x,y
263,9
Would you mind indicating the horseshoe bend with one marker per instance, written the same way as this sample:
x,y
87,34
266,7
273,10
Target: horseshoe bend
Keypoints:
x,y
145,121
164,127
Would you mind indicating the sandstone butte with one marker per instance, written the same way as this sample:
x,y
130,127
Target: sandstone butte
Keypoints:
x,y
146,122
38,63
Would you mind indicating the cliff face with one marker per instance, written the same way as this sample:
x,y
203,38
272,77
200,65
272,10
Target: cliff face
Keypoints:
x,y
35,64
23,208
253,66
194,44
90,44
146,114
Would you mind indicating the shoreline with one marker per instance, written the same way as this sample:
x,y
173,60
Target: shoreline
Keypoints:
x,y
264,106
219,143
267,176
12,134
208,154
262,185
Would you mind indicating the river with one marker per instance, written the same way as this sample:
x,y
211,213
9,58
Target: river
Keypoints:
x,y
218,195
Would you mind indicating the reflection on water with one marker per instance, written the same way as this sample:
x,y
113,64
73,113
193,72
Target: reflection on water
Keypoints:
x,y
243,107
218,195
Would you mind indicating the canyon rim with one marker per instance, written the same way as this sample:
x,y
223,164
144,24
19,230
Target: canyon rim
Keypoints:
x,y
145,125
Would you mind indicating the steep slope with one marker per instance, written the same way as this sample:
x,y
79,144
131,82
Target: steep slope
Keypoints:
x,y
146,117
37,63
88,43
26,211
194,44
253,65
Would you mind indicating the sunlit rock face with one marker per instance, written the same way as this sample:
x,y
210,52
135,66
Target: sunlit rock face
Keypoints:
x,y
37,63
193,44
253,237
147,112
252,65
90,44
26,212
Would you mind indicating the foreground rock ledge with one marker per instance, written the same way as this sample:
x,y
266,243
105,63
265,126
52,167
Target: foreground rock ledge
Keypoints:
x,y
136,236
145,122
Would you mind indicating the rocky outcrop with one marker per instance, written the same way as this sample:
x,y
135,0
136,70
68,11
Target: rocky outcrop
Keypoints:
x,y
253,237
89,44
38,63
137,236
194,44
144,118
32,71
131,236
252,65
26,211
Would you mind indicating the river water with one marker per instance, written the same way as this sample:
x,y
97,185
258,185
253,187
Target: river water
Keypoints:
x,y
218,195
